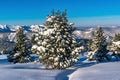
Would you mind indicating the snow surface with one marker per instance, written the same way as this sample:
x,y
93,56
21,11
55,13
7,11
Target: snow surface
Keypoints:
x,y
102,71
83,70
29,71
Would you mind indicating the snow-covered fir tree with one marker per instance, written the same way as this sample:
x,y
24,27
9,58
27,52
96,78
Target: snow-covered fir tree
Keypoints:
x,y
56,47
21,52
115,46
98,47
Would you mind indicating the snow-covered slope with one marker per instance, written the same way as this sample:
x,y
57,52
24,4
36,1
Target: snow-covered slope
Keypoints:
x,y
83,70
101,71
29,71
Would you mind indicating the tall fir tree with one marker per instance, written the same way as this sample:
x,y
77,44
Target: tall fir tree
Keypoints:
x,y
98,47
21,52
55,45
115,46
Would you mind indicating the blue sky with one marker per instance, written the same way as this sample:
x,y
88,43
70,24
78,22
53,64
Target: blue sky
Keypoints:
x,y
82,12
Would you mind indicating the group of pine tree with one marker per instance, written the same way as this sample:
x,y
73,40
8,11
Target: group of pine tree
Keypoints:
x,y
56,46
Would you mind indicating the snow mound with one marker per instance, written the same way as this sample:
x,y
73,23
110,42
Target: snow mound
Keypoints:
x,y
102,71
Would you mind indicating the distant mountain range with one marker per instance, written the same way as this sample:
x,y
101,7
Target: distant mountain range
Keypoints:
x,y
88,32
13,28
80,32
7,33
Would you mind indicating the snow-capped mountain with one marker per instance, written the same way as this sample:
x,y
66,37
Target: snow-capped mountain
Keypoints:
x,y
88,32
35,27
8,33
5,28
80,32
13,28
